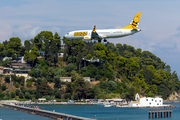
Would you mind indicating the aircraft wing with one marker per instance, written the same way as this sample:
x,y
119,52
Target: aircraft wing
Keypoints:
x,y
95,35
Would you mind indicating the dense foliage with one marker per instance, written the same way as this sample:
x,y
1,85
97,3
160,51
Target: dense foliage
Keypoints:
x,y
121,69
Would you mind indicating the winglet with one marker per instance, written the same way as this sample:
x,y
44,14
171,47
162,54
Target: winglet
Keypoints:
x,y
134,23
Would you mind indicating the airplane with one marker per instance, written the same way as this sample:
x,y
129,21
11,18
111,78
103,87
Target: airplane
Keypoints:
x,y
106,33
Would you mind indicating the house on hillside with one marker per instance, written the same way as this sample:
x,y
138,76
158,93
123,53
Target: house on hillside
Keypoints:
x,y
65,79
17,65
19,73
42,53
86,79
5,71
92,79
68,79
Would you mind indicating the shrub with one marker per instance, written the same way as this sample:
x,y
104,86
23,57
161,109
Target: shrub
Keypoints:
x,y
12,94
37,73
75,97
23,90
17,92
38,95
7,79
112,85
16,84
2,96
67,95
57,82
21,95
58,94
3,88
28,84
6,97
98,77
27,95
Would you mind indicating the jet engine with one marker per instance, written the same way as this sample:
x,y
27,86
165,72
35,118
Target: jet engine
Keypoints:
x,y
87,37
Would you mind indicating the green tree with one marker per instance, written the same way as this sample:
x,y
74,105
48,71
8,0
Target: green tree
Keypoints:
x,y
13,46
2,51
16,84
58,94
23,90
75,97
68,68
112,85
67,95
37,73
31,56
3,88
83,88
21,95
28,45
17,92
7,79
43,88
27,95
12,94
88,56
100,51
57,82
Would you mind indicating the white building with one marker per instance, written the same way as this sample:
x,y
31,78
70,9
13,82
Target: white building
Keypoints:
x,y
146,101
65,79
86,79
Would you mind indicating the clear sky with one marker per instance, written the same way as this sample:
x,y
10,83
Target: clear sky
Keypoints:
x,y
160,21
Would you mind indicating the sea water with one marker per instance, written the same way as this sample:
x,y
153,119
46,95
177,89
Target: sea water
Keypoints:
x,y
89,111
8,114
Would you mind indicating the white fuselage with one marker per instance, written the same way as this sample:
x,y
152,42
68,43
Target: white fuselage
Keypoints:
x,y
104,33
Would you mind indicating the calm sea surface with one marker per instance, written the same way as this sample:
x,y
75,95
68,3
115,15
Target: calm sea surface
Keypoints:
x,y
89,111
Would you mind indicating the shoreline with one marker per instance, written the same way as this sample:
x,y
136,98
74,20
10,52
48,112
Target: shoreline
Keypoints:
x,y
80,103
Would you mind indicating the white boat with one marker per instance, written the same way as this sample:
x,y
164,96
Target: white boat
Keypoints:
x,y
107,105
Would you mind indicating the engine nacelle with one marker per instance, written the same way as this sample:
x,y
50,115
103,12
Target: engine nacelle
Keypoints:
x,y
87,38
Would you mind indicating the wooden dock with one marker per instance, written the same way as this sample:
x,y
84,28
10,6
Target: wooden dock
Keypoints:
x,y
45,113
160,113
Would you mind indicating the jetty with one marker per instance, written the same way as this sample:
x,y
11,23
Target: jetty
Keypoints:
x,y
160,113
45,113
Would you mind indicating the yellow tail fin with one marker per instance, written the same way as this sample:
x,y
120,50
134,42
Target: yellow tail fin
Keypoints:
x,y
134,23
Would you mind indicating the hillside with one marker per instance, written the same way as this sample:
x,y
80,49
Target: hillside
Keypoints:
x,y
121,70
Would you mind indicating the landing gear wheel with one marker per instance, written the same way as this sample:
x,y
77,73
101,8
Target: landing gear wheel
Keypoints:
x,y
99,41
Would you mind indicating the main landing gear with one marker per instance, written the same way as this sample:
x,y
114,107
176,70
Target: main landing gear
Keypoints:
x,y
103,40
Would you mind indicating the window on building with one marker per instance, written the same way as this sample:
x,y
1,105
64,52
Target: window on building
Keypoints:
x,y
146,99
152,99
155,100
149,103
159,100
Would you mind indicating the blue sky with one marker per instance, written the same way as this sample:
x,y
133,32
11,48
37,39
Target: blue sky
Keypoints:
x,y
160,21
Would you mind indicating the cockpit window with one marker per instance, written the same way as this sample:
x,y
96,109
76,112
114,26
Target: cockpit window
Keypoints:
x,y
67,33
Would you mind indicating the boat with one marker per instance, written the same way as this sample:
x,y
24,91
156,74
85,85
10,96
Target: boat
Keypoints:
x,y
108,105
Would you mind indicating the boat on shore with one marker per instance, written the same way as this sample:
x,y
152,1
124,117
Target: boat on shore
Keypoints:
x,y
108,105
